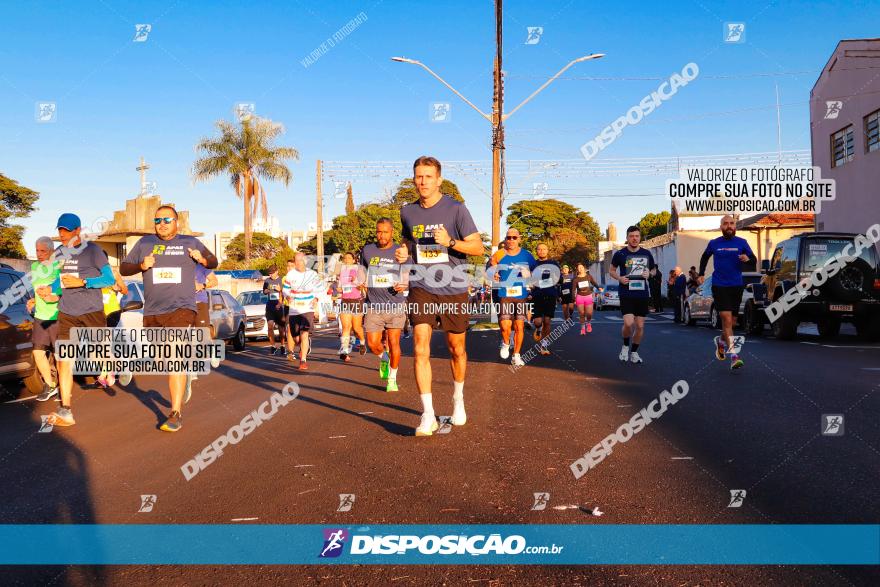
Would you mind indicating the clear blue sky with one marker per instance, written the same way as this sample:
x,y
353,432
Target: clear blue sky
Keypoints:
x,y
118,100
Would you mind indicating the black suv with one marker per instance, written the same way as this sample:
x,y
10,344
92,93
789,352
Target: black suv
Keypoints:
x,y
16,325
852,294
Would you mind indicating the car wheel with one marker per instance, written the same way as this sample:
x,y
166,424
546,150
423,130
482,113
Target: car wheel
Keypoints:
x,y
752,319
829,326
687,316
239,341
34,382
785,327
714,318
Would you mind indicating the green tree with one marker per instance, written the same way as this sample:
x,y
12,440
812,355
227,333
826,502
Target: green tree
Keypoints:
x,y
16,201
407,194
652,225
567,230
247,155
265,252
349,201
351,232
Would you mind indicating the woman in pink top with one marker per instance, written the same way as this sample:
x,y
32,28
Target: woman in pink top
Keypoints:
x,y
350,288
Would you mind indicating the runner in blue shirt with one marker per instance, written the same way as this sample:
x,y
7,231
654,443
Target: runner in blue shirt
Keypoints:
x,y
729,252
511,277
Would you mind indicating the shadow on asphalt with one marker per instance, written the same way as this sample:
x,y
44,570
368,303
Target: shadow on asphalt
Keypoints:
x,y
51,486
151,399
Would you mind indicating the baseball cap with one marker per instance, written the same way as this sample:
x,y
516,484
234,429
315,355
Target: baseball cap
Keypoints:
x,y
68,221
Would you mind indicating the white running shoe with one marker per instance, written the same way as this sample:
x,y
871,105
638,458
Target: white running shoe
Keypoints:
x,y
624,354
634,357
505,351
428,425
124,378
459,417
517,361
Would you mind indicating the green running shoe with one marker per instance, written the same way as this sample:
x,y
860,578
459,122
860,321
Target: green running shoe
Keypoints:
x,y
391,385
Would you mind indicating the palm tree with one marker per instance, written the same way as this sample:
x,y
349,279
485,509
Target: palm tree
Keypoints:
x,y
248,154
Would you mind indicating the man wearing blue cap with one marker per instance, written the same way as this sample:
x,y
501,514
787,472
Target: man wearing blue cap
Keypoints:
x,y
84,271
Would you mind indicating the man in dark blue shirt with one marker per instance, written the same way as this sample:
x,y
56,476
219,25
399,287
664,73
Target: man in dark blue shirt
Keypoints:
x,y
632,266
729,252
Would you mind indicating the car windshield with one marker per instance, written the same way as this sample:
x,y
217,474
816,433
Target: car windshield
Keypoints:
x,y
818,251
252,298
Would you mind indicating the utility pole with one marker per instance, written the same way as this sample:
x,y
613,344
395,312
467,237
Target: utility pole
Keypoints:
x,y
320,236
497,131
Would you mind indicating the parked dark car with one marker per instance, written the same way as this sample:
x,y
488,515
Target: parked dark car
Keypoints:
x,y
16,325
852,295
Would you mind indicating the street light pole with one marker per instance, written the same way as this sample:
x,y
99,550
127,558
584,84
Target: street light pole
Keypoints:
x,y
497,130
497,117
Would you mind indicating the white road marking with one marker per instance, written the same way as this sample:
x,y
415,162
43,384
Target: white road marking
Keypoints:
x,y
336,436
682,458
243,519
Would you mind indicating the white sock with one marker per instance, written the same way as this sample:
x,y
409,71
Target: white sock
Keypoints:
x,y
392,373
345,341
427,403
458,390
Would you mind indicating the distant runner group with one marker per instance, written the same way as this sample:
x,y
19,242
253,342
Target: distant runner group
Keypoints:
x,y
384,288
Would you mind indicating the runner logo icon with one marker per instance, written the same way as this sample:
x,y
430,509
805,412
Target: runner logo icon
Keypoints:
x,y
737,497
346,500
541,501
832,424
334,540
147,503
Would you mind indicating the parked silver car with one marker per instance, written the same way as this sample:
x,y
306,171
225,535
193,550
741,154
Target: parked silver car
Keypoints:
x,y
607,296
254,304
228,317
701,306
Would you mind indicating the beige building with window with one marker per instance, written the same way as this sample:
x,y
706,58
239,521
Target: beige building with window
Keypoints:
x,y
844,112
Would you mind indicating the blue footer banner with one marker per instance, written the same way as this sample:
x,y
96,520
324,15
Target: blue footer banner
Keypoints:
x,y
148,544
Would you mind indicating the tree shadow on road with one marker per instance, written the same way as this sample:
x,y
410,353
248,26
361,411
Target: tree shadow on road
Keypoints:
x,y
45,480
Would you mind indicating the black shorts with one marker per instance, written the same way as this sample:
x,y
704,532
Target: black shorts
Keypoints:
x,y
90,320
544,307
274,313
113,318
179,318
727,298
299,323
203,315
634,306
44,334
425,309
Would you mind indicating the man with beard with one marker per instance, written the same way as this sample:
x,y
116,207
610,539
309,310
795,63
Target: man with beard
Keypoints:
x,y
730,252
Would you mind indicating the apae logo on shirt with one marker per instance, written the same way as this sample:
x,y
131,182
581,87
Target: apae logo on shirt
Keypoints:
x,y
425,231
374,260
158,250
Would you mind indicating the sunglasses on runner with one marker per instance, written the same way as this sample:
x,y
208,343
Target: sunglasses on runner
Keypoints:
x,y
511,238
167,220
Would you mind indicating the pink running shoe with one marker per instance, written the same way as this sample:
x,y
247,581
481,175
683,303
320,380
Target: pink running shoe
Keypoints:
x,y
589,327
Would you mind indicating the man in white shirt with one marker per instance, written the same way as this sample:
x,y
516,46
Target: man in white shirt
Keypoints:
x,y
301,287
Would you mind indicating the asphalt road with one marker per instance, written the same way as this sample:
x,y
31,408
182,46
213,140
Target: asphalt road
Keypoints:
x,y
757,429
